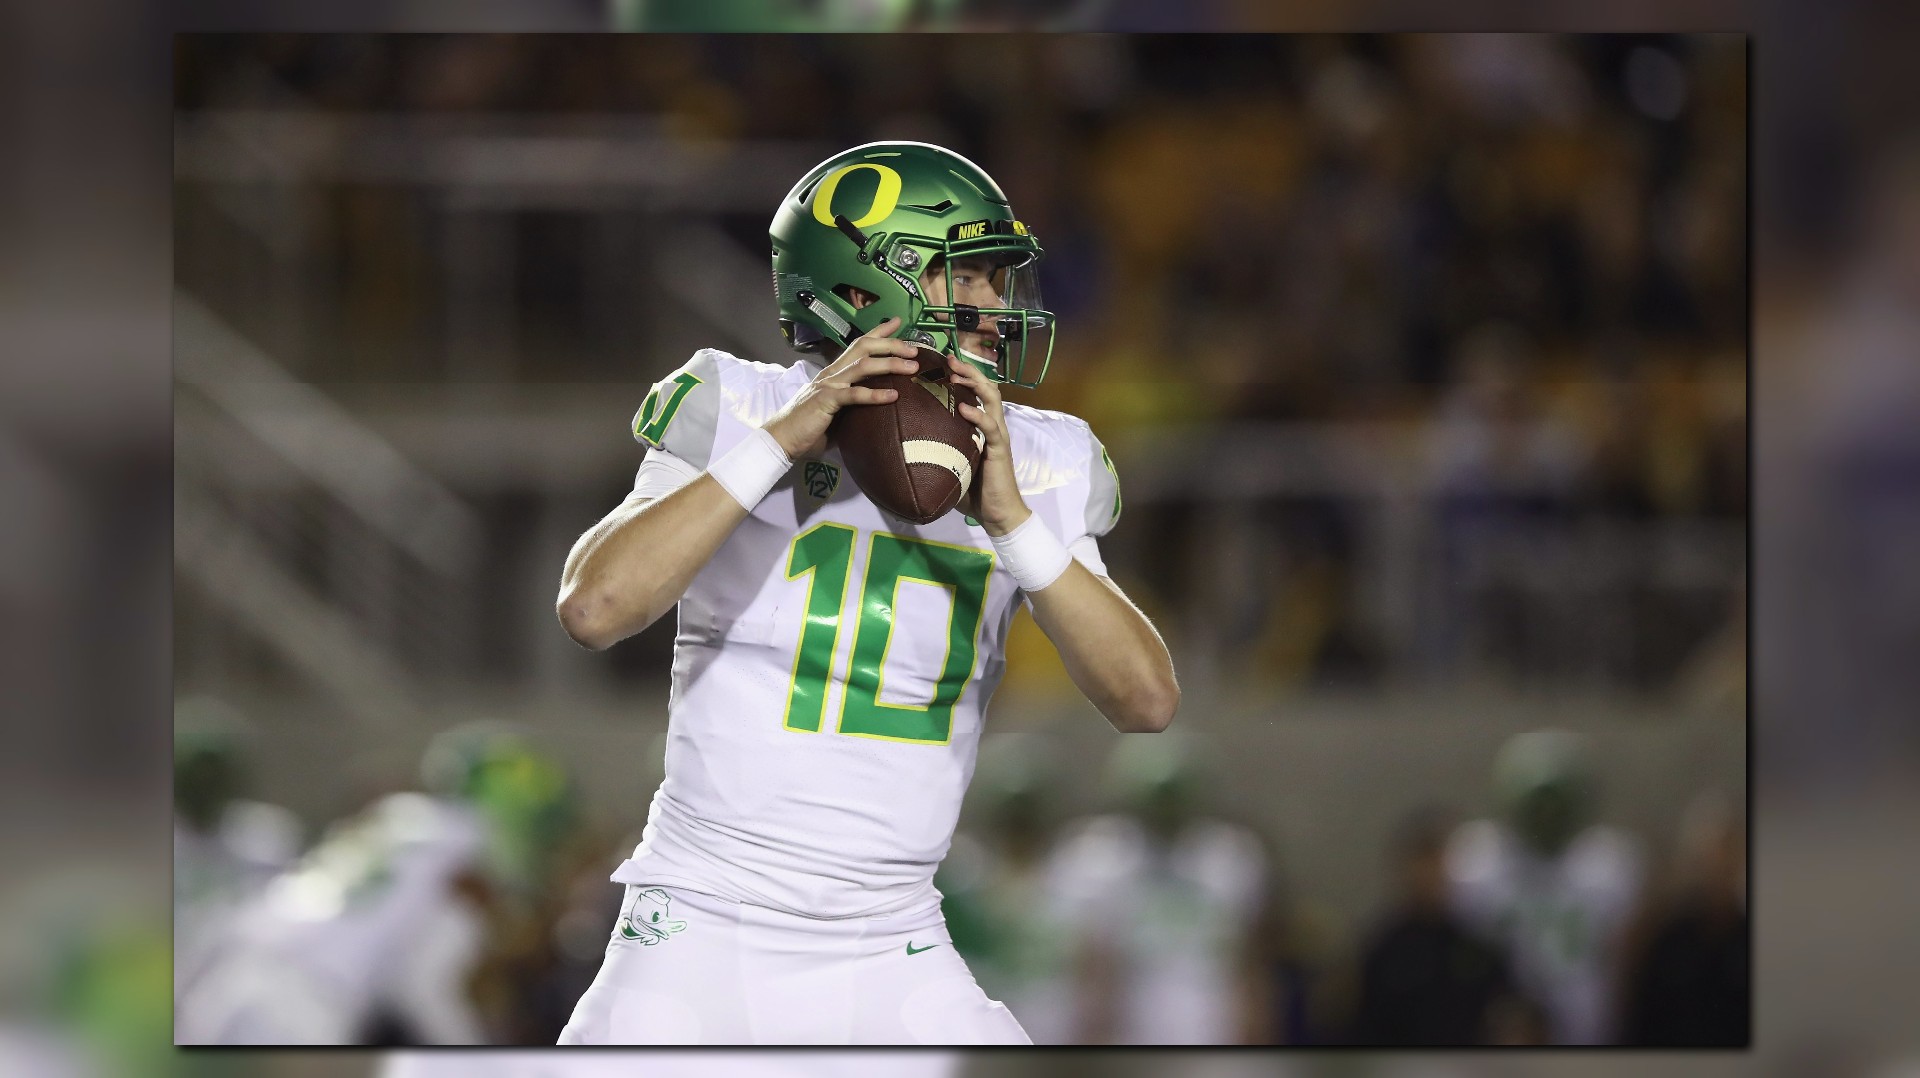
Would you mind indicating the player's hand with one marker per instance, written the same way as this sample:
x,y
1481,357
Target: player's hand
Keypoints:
x,y
801,427
995,499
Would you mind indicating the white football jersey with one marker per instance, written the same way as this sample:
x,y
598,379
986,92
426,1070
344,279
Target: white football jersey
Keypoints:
x,y
1560,919
833,662
215,873
1177,915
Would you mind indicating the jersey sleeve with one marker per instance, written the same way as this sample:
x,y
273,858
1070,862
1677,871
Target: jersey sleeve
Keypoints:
x,y
1103,489
681,415
1083,525
1102,510
662,473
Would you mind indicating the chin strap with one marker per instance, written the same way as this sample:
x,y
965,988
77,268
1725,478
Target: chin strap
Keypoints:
x,y
858,237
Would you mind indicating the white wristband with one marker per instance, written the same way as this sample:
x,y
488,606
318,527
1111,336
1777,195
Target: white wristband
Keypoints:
x,y
750,469
1033,554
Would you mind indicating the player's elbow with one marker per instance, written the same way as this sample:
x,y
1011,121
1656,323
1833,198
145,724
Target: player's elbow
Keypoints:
x,y
590,619
1156,714
578,619
1149,707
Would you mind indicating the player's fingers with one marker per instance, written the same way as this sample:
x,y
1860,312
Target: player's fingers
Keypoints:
x,y
964,373
989,398
982,386
884,329
889,346
835,373
994,431
862,348
885,363
888,357
866,395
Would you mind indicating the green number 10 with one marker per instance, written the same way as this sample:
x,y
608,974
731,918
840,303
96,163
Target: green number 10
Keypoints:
x,y
824,554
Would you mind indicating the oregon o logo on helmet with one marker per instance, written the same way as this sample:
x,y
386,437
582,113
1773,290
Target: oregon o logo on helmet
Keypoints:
x,y
885,197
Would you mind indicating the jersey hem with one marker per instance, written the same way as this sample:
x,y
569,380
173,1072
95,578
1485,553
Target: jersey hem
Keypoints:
x,y
629,876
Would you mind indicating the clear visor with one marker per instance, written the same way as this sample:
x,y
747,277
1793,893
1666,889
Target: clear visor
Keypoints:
x,y
1017,327
1025,326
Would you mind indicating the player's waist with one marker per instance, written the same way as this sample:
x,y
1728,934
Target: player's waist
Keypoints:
x,y
922,917
779,874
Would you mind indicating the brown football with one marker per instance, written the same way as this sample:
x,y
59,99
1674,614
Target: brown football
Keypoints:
x,y
916,455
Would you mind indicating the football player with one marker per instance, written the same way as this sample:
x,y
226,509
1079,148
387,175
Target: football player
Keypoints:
x,y
378,932
1163,899
225,847
833,662
997,886
1551,885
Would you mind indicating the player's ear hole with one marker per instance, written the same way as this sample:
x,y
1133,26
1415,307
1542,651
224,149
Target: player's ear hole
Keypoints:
x,y
859,297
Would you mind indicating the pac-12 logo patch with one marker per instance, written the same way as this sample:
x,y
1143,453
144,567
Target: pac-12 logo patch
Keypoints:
x,y
820,478
645,920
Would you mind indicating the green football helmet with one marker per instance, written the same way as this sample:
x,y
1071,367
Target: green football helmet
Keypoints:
x,y
1545,786
875,218
527,796
209,760
1161,780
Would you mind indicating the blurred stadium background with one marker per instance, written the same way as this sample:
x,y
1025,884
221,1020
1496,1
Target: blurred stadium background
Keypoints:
x,y
1422,361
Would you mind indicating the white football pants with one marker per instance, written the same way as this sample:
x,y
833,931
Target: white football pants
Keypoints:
x,y
685,967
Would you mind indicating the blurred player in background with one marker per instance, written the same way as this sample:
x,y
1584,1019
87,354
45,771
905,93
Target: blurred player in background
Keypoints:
x,y
225,848
783,892
1552,887
378,933
1000,899
1164,901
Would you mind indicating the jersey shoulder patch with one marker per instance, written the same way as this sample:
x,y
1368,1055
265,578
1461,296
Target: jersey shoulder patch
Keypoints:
x,y
681,414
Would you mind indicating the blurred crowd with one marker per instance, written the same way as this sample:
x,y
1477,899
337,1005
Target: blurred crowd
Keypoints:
x,y
1500,279
1169,919
473,908
1252,227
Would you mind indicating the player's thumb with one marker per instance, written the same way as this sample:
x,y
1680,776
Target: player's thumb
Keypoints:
x,y
884,329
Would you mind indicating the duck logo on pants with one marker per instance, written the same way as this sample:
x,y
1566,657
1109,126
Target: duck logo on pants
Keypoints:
x,y
645,920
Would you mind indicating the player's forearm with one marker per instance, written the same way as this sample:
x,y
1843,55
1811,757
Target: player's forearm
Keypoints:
x,y
634,565
1110,649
